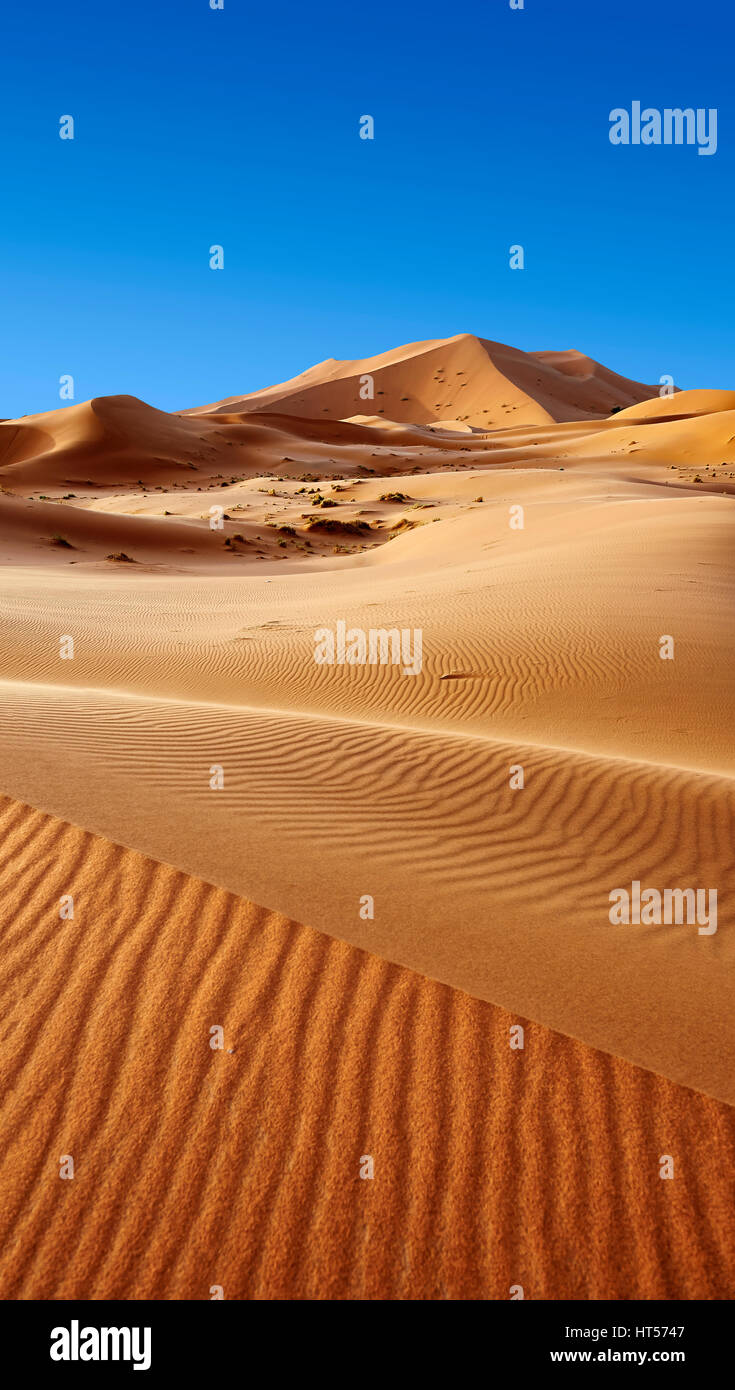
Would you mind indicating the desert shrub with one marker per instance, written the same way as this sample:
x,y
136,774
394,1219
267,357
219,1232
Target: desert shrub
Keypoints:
x,y
351,528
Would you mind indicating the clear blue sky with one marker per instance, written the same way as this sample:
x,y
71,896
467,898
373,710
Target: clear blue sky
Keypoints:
x,y
240,127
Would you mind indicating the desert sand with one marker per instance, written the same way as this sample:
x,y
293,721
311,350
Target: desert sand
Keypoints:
x,y
239,1168
241,905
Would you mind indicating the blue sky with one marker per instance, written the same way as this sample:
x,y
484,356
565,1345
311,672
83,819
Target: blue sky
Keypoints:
x,y
241,127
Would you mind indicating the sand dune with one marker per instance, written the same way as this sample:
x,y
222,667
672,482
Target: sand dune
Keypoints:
x,y
622,462
574,663
240,1167
683,403
464,378
398,786
117,440
504,894
194,648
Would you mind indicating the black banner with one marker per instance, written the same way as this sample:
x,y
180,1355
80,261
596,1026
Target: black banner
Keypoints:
x,y
96,1340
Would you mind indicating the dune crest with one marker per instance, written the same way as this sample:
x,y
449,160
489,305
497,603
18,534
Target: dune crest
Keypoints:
x,y
463,378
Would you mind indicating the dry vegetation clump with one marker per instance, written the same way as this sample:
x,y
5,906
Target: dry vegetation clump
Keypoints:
x,y
346,528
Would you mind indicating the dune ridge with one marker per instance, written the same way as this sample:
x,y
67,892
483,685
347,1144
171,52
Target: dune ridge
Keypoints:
x,y
463,378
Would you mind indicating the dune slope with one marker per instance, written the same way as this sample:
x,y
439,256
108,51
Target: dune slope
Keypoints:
x,y
540,649
239,1168
464,378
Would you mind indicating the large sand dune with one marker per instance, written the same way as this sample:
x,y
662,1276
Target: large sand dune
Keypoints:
x,y
463,378
194,648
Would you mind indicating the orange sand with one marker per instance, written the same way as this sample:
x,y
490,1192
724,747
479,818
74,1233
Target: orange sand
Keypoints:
x,y
196,1167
